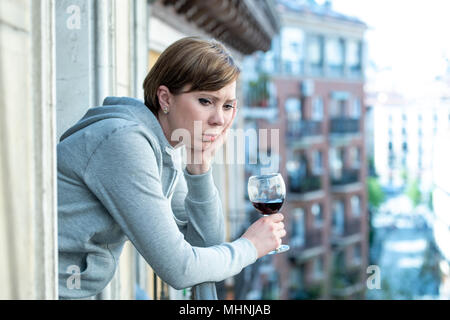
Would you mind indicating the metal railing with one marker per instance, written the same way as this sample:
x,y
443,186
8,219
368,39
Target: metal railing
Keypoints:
x,y
311,239
344,125
305,184
305,128
352,226
346,176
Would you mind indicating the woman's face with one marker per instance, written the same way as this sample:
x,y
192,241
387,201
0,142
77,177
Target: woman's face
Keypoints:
x,y
203,115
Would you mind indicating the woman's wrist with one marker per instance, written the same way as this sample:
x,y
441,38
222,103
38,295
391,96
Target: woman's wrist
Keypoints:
x,y
196,169
201,187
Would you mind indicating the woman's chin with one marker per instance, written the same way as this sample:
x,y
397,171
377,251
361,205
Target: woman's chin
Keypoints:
x,y
200,145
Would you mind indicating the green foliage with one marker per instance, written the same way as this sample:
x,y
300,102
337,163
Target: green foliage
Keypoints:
x,y
259,89
413,192
376,194
430,201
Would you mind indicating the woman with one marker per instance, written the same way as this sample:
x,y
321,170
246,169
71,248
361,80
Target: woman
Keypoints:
x,y
119,179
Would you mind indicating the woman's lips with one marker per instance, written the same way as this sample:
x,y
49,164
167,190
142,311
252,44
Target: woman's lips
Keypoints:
x,y
209,137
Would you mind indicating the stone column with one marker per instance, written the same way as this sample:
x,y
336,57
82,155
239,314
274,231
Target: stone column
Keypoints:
x,y
28,234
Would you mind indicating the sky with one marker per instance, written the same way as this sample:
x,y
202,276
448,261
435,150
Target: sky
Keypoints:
x,y
410,38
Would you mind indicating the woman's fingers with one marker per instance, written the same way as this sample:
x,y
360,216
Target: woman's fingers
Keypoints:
x,y
277,217
223,135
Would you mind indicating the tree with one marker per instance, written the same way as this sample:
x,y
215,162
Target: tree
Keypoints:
x,y
413,192
375,193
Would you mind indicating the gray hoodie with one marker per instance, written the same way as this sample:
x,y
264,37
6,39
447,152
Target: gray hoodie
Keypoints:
x,y
119,179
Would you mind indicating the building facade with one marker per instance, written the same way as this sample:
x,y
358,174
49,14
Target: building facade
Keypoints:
x,y
313,92
405,134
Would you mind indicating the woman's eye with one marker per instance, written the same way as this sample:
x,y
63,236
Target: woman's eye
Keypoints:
x,y
229,106
204,102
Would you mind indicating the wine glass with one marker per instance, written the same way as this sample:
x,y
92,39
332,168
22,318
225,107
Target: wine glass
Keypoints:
x,y
267,193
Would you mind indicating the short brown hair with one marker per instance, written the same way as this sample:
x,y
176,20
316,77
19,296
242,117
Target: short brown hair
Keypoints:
x,y
206,65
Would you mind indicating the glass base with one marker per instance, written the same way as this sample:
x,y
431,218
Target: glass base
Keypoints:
x,y
280,249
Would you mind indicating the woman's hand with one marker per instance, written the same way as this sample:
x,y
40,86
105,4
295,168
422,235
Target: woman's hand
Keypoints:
x,y
266,233
199,161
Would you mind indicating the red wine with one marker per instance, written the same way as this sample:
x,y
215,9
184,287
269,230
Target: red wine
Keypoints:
x,y
268,207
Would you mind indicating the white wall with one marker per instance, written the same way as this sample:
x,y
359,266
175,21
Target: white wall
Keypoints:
x,y
27,142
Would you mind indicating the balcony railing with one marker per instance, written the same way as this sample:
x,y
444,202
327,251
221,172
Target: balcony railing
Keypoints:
x,y
306,128
305,184
346,282
311,239
260,92
347,176
344,126
352,226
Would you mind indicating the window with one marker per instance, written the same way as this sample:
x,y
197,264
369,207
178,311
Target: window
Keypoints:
x,y
356,108
336,162
316,211
296,169
404,117
338,218
318,268
405,146
296,279
338,108
292,42
268,62
333,108
298,230
294,115
355,157
335,55
357,253
317,112
353,56
356,206
342,106
315,54
317,162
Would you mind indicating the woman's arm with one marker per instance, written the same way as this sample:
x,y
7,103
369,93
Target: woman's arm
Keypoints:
x,y
197,206
122,173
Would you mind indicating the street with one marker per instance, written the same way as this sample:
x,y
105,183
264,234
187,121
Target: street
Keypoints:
x,y
403,247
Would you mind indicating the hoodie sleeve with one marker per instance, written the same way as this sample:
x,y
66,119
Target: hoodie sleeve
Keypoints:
x,y
123,174
197,205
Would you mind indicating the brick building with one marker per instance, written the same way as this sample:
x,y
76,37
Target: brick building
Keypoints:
x,y
311,86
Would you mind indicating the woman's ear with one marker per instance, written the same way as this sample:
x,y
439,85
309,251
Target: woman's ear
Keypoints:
x,y
164,98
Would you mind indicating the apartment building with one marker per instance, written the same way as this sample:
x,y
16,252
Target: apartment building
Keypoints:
x,y
405,134
311,86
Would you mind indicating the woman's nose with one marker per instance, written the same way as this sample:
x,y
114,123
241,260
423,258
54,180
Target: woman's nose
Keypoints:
x,y
217,118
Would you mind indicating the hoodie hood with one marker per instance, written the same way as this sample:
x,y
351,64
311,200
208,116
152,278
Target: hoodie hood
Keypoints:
x,y
121,108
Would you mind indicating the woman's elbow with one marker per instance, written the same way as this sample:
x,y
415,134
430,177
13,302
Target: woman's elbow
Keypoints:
x,y
179,283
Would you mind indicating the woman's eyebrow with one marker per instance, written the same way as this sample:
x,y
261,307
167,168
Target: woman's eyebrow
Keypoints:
x,y
216,98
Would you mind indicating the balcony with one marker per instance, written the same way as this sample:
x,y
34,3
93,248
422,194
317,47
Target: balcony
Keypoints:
x,y
260,92
353,227
306,184
306,128
310,247
350,235
344,126
346,176
346,283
